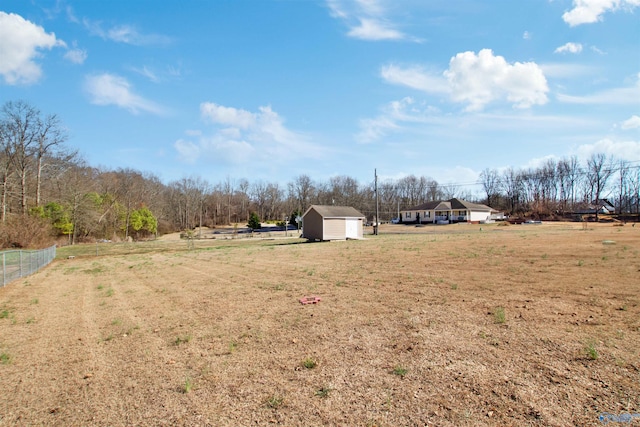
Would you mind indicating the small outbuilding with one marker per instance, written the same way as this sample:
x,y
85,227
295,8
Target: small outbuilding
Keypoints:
x,y
322,222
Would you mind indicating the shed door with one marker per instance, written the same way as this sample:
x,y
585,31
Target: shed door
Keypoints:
x,y
352,228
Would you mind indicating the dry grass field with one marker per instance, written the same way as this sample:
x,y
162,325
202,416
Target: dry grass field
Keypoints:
x,y
460,325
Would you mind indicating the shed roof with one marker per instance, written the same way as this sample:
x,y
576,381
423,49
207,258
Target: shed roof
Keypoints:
x,y
330,211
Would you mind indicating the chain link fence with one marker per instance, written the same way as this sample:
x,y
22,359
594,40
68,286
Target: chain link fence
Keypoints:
x,y
19,263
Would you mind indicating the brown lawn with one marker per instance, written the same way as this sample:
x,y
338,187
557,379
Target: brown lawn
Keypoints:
x,y
444,326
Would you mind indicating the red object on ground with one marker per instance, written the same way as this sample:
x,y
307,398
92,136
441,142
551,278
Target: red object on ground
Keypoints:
x,y
309,300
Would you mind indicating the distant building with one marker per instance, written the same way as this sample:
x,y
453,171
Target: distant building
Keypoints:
x,y
603,206
321,222
447,212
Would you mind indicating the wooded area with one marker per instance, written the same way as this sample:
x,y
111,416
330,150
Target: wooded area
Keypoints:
x,y
48,191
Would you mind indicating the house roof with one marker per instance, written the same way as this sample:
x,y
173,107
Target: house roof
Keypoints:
x,y
605,203
330,211
451,204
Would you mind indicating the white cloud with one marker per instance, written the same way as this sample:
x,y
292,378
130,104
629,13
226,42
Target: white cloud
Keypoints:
x,y
147,72
527,35
631,123
77,56
241,136
372,29
110,89
187,151
394,116
477,80
158,74
615,96
416,78
376,128
569,48
458,174
483,78
71,16
228,150
20,42
125,34
227,116
590,11
564,70
174,71
366,20
620,150
538,162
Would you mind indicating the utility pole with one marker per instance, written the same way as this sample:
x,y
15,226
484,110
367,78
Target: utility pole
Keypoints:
x,y
375,229
200,226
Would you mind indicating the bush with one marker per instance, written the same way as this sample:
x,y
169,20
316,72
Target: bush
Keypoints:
x,y
30,232
254,221
165,227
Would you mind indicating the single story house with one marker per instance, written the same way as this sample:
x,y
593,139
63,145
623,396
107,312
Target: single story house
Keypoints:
x,y
448,211
603,206
322,222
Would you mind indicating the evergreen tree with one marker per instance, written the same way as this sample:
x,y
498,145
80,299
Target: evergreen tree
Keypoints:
x,y
254,221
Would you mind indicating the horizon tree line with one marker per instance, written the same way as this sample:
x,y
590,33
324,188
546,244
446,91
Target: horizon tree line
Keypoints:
x,y
42,177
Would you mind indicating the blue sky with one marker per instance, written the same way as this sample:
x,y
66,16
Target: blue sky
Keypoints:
x,y
271,89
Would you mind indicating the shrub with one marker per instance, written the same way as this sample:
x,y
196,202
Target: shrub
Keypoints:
x,y
30,232
254,221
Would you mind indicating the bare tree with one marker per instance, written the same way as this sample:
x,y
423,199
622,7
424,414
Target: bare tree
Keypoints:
x,y
449,191
434,191
6,166
50,136
21,122
562,174
634,191
188,197
77,183
229,188
512,184
273,200
548,186
490,181
389,200
623,185
242,197
598,172
259,197
344,190
410,191
303,191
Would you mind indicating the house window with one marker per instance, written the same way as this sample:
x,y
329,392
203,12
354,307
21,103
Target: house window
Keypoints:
x,y
426,214
407,215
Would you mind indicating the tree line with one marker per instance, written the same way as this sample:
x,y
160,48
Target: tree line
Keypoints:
x,y
48,191
564,187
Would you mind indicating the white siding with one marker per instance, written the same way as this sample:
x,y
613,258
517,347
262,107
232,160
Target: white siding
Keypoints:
x,y
352,228
480,216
